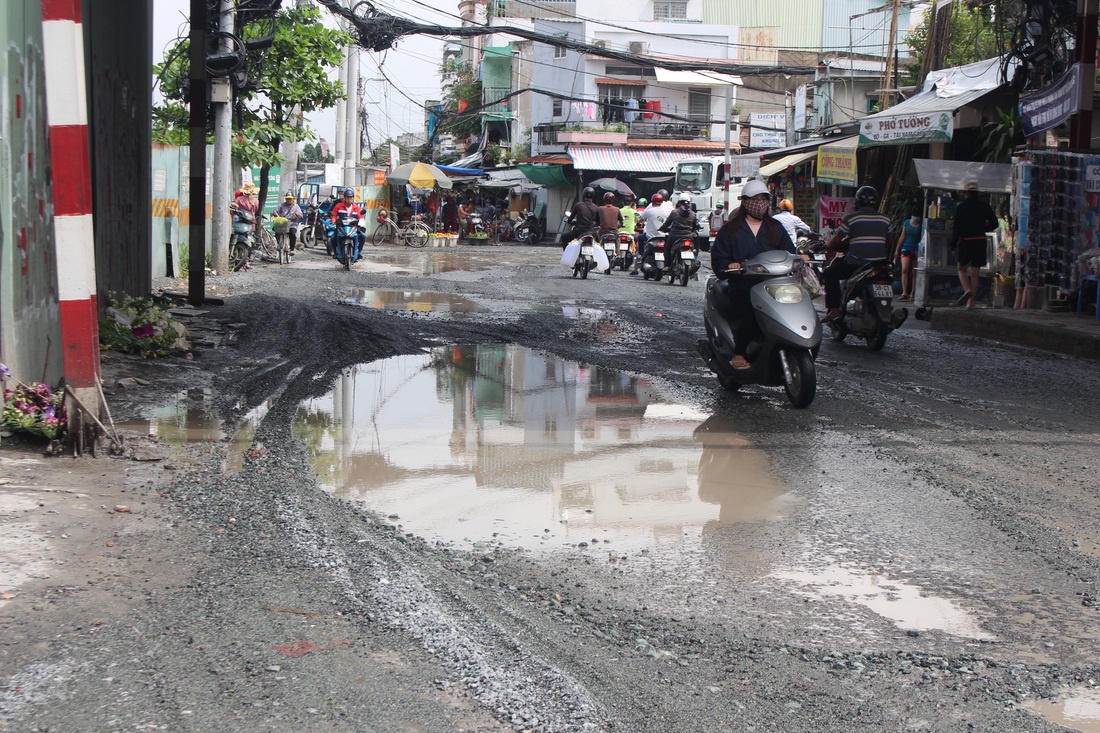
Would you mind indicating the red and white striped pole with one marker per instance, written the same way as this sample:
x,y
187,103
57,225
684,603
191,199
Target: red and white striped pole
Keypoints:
x,y
71,171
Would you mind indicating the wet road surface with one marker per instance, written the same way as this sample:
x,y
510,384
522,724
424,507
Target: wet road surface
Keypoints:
x,y
530,490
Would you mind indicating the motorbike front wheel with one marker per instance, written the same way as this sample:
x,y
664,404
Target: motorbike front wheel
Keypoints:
x,y
349,251
800,378
238,256
521,233
585,267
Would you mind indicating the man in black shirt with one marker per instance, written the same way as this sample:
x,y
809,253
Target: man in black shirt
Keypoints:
x,y
973,218
583,216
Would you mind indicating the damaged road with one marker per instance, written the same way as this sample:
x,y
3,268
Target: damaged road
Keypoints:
x,y
927,558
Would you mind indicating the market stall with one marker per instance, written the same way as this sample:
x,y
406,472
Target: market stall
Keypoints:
x,y
937,269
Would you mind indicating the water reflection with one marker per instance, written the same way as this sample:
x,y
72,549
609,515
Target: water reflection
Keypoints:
x,y
498,441
1078,710
418,301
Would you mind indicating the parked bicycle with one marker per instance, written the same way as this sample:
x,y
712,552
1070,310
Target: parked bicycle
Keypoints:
x,y
413,233
281,226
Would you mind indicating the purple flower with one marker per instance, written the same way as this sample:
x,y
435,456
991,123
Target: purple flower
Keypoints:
x,y
50,412
143,332
5,373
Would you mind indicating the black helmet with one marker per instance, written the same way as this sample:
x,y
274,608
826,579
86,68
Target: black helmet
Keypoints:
x,y
589,192
609,198
866,196
664,193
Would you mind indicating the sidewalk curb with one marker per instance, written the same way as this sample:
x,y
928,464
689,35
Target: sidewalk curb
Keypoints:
x,y
1058,332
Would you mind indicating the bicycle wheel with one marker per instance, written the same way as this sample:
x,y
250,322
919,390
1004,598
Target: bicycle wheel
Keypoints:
x,y
268,247
381,235
417,235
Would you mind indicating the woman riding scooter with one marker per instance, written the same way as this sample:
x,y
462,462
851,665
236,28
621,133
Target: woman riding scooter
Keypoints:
x,y
749,231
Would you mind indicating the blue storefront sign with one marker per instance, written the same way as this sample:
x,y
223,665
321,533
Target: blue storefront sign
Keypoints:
x,y
1053,105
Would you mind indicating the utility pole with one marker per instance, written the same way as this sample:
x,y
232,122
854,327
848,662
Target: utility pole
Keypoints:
x,y
341,122
196,198
221,96
351,142
884,96
1080,130
290,149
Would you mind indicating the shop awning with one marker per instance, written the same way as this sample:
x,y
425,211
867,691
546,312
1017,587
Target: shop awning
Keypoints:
x,y
952,175
629,160
551,176
928,117
778,166
696,78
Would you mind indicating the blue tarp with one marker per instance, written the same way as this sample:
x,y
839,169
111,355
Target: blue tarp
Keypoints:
x,y
452,171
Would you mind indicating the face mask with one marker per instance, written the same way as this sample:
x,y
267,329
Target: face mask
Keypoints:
x,y
756,208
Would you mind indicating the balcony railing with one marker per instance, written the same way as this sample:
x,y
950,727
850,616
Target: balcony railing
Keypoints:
x,y
491,96
554,9
547,134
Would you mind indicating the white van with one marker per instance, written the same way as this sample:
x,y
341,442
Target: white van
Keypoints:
x,y
702,178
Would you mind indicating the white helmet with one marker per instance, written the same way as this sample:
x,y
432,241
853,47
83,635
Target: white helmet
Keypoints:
x,y
684,198
755,187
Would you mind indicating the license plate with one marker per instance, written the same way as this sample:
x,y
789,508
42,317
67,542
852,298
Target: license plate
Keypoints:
x,y
882,291
624,247
609,247
586,251
659,256
686,255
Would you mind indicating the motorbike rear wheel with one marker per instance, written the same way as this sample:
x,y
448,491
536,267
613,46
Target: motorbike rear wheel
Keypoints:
x,y
800,381
309,236
728,383
585,267
238,256
878,340
534,233
349,250
839,331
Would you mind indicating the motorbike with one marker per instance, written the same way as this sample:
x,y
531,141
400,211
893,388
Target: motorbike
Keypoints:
x,y
529,230
610,242
475,223
683,260
811,244
624,258
785,355
347,229
586,261
867,309
653,264
239,248
313,228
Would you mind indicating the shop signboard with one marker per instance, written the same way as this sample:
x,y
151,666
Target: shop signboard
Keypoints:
x,y
744,166
830,211
768,130
836,165
274,195
1092,178
916,127
1052,105
800,108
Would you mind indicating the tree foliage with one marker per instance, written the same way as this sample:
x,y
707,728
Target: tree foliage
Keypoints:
x,y
292,72
974,31
464,94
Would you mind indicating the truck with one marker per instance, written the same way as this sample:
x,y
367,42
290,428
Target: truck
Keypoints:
x,y
704,178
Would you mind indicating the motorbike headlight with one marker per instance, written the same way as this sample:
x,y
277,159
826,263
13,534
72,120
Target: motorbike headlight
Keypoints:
x,y
787,293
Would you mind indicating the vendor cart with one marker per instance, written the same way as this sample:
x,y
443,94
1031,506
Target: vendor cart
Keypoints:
x,y
937,269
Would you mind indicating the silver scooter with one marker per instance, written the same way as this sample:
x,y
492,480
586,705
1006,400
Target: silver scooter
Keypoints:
x,y
792,332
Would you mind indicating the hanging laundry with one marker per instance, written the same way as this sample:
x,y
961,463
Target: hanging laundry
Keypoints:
x,y
631,105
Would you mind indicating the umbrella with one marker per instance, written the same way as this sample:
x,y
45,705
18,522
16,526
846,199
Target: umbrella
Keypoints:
x,y
612,184
420,175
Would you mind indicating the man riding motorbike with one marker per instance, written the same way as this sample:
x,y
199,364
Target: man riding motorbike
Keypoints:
x,y
653,218
750,230
861,236
347,204
583,216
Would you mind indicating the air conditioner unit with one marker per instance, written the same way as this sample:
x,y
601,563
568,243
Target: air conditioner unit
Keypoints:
x,y
599,44
639,47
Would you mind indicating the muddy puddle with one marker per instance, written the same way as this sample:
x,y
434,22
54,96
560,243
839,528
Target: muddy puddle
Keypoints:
x,y
503,444
1077,709
907,605
415,301
188,418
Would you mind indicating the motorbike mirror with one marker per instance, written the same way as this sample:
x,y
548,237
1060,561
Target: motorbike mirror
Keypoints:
x,y
694,207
